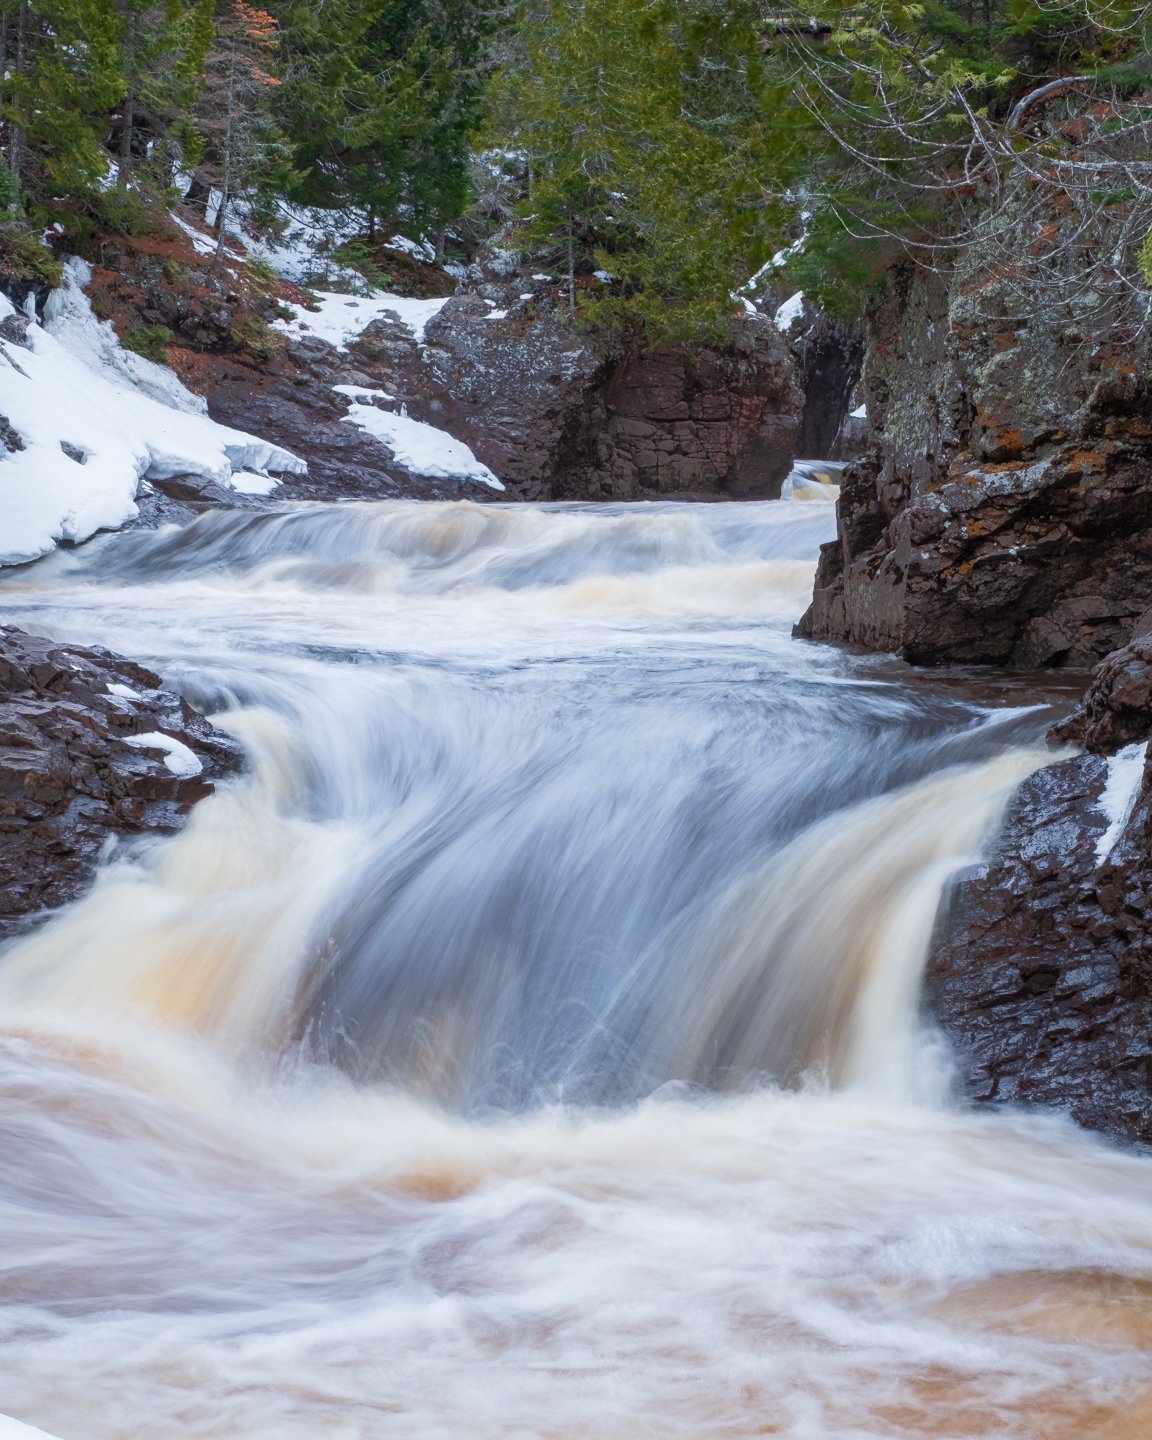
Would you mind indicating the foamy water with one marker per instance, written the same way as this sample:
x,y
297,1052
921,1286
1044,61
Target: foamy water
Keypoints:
x,y
529,1044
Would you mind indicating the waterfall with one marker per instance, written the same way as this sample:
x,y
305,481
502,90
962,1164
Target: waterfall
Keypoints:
x,y
529,1041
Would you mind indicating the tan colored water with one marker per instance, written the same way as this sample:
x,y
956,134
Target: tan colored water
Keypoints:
x,y
529,1046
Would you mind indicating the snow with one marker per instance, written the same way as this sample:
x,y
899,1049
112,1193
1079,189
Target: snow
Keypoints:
x,y
1125,772
420,448
361,392
177,756
121,417
860,413
497,315
14,1430
253,482
125,692
547,278
604,276
340,318
418,249
791,311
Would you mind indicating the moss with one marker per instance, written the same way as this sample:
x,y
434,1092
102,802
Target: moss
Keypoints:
x,y
24,257
151,341
257,337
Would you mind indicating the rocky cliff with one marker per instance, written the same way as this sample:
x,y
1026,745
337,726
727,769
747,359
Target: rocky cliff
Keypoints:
x,y
1003,512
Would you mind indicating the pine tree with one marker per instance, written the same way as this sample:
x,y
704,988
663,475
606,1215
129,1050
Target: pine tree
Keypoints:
x,y
657,151
244,145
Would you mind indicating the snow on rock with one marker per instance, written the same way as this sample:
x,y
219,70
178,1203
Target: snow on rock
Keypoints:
x,y
93,421
791,311
860,413
178,757
421,448
361,392
1125,772
340,318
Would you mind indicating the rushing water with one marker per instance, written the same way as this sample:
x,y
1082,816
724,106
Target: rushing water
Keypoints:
x,y
528,1044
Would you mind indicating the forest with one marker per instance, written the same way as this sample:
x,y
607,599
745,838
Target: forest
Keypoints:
x,y
685,149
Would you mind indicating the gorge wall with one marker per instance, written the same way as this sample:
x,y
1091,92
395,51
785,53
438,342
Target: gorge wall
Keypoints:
x,y
1003,511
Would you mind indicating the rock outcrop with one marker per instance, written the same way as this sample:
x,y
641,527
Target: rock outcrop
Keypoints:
x,y
1043,971
71,781
1003,513
555,412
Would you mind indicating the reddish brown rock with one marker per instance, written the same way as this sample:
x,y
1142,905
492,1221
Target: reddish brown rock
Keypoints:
x,y
70,782
1003,514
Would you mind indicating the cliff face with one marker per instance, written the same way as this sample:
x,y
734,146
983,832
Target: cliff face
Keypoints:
x,y
1003,512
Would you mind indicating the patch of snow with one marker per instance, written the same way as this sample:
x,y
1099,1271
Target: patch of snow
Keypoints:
x,y
860,413
125,692
420,448
604,276
1125,772
497,315
528,296
361,392
254,482
791,311
177,756
341,318
419,249
122,418
547,278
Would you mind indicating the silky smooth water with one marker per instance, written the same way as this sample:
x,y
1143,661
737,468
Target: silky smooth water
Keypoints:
x,y
529,1044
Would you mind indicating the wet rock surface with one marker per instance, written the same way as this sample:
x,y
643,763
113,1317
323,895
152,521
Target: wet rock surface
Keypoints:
x,y
1042,975
69,780
1003,513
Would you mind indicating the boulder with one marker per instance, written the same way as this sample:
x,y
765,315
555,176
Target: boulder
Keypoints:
x,y
71,781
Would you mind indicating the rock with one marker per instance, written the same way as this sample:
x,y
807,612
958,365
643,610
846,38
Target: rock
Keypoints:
x,y
555,412
1117,710
69,780
1003,513
830,354
560,413
1042,975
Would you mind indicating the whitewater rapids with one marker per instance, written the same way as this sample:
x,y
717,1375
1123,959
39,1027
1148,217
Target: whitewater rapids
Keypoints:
x,y
529,1044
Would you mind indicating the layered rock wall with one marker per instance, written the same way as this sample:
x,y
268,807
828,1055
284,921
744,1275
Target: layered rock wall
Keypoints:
x,y
1003,512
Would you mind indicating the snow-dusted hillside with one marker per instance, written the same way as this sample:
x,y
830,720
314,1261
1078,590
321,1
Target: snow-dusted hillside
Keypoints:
x,y
87,421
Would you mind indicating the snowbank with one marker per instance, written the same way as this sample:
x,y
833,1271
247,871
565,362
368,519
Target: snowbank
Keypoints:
x,y
94,421
341,318
420,448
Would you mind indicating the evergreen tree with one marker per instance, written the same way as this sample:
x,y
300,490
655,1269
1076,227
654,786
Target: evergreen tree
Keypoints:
x,y
379,101
658,152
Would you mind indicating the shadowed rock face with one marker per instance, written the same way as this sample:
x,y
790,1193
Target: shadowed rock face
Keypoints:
x,y
1003,514
1043,971
69,782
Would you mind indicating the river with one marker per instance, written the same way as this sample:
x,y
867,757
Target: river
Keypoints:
x,y
529,1043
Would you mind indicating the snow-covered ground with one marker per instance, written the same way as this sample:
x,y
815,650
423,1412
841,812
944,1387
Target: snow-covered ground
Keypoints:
x,y
14,1430
340,318
419,448
1125,772
94,421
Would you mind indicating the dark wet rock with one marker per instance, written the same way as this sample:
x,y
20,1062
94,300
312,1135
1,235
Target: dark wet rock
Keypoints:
x,y
1003,513
1117,710
830,354
69,781
1043,973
